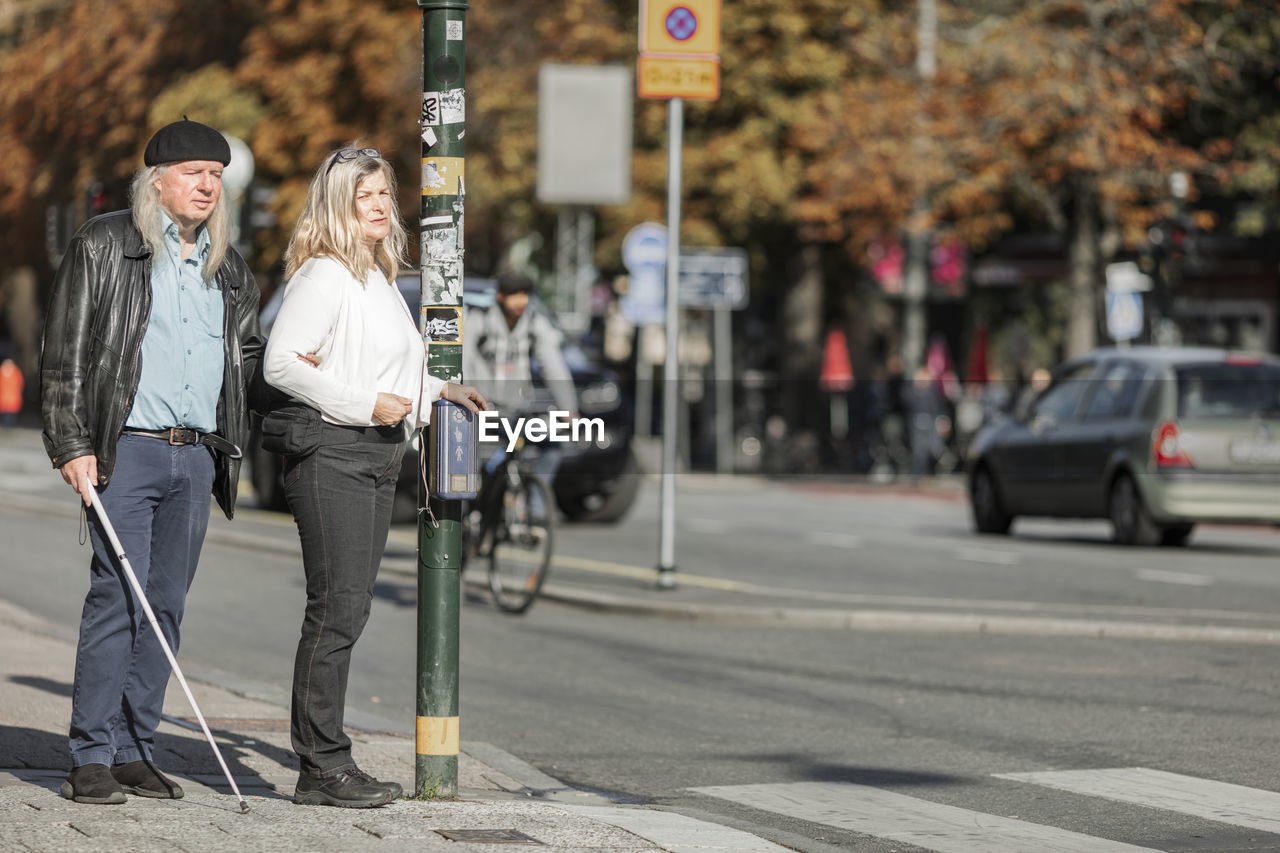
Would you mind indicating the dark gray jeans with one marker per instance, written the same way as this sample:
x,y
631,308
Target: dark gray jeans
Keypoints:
x,y
158,503
341,497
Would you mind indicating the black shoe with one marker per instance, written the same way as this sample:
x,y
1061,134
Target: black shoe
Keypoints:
x,y
142,778
393,787
93,783
342,789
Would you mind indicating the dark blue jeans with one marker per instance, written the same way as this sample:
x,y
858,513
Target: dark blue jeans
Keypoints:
x,y
341,499
158,503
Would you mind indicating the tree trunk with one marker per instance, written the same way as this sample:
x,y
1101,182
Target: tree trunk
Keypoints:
x,y
1082,298
802,317
803,336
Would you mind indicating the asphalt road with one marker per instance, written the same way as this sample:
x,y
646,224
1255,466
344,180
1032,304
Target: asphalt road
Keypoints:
x,y
775,725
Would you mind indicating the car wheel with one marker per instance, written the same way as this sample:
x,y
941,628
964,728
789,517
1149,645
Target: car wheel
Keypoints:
x,y
1176,535
1130,523
989,515
610,502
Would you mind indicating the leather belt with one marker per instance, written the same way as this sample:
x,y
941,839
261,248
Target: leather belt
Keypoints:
x,y
178,436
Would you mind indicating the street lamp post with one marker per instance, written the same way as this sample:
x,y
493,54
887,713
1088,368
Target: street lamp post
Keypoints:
x,y
440,522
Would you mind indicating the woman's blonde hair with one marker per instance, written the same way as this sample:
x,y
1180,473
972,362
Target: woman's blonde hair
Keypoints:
x,y
144,198
330,226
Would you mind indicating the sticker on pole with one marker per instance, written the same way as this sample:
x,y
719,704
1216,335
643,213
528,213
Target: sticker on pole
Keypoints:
x,y
442,281
453,106
430,109
443,325
442,175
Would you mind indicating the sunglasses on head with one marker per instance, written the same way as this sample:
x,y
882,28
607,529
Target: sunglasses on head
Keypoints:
x,y
350,154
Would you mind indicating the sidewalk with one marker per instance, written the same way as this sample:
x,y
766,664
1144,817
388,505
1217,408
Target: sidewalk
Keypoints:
x,y
501,798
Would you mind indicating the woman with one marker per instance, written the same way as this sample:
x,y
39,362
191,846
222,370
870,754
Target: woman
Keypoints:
x,y
345,343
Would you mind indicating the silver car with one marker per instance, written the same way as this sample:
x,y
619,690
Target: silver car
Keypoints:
x,y
1156,439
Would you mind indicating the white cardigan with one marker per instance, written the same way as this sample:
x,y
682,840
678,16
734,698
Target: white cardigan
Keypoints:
x,y
364,336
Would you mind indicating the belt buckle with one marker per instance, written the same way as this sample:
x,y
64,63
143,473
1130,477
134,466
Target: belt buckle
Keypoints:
x,y
179,436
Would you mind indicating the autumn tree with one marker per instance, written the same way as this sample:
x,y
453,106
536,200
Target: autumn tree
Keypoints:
x,y
76,95
1088,99
76,84
1073,112
1076,111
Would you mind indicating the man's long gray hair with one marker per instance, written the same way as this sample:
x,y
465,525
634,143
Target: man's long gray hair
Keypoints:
x,y
145,200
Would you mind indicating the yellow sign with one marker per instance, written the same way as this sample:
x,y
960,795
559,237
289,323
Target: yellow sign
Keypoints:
x,y
680,26
679,77
441,175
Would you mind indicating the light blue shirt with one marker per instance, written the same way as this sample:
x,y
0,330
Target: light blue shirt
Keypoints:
x,y
182,353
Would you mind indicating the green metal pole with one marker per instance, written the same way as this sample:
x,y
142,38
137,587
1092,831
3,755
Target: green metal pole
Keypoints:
x,y
440,531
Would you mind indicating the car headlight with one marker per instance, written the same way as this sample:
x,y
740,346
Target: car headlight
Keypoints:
x,y
601,397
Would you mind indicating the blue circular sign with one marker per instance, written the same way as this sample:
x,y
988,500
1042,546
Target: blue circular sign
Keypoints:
x,y
681,23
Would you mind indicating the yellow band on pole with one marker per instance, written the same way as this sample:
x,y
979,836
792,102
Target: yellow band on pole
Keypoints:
x,y
437,735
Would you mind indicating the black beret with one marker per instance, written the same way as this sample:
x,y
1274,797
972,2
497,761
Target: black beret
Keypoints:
x,y
186,140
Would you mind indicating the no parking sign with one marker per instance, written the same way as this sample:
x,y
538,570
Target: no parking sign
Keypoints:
x,y
680,27
679,49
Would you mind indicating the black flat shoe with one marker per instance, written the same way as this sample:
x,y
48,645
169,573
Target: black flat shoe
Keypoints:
x,y
93,783
142,778
343,790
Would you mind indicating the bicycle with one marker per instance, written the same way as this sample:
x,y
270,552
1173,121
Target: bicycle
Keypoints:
x,y
512,522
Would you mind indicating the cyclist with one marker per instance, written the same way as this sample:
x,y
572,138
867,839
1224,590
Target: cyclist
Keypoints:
x,y
498,348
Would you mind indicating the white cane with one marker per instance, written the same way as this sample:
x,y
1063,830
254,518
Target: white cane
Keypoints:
x,y
155,628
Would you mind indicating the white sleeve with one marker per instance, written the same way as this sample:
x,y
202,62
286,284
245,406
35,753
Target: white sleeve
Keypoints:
x,y
305,324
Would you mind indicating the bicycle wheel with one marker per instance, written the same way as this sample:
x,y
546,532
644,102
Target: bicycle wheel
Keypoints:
x,y
520,554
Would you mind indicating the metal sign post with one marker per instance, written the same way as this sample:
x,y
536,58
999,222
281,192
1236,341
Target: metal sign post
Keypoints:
x,y
679,58
441,124
670,399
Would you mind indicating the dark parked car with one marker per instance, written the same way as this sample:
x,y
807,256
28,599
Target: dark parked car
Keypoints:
x,y
1157,439
597,480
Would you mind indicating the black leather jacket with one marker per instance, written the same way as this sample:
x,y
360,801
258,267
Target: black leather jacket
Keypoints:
x,y
91,359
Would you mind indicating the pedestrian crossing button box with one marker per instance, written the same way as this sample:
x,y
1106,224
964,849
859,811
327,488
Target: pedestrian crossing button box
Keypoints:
x,y
453,471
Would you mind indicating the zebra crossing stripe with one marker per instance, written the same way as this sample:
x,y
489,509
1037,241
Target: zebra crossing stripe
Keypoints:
x,y
677,833
933,826
1204,798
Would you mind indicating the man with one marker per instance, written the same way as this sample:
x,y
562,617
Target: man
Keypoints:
x,y
497,351
928,423
151,332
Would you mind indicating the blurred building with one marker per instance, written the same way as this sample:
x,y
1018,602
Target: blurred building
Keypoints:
x,y
1214,290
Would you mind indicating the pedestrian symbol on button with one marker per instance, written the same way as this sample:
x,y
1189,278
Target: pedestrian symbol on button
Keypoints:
x,y
681,23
